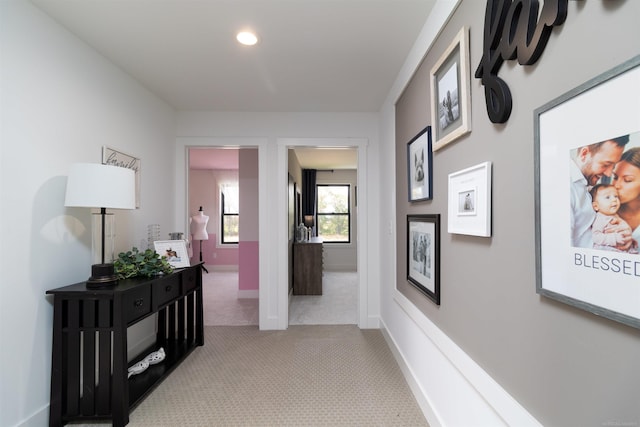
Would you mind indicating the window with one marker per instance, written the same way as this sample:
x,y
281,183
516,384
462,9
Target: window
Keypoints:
x,y
229,214
333,213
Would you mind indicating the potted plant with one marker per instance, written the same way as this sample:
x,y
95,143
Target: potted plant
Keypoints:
x,y
134,263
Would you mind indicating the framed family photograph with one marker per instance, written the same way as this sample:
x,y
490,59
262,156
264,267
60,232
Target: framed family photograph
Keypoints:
x,y
423,254
469,201
419,166
451,92
587,195
118,158
174,250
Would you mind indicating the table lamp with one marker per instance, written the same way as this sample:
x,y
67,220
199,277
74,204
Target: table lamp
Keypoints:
x,y
93,185
309,223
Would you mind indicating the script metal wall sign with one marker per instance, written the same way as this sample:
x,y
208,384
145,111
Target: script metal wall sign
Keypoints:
x,y
513,30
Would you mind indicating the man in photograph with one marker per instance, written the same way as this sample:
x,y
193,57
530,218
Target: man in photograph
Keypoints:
x,y
590,163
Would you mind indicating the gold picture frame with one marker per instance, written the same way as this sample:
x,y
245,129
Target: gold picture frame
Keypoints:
x,y
451,92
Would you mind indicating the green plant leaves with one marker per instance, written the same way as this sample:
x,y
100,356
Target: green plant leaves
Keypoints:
x,y
134,263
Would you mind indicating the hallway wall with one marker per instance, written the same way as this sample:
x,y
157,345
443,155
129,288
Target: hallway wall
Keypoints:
x,y
509,355
61,103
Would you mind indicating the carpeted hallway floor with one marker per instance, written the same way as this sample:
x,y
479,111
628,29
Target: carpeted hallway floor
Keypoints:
x,y
336,306
330,375
322,371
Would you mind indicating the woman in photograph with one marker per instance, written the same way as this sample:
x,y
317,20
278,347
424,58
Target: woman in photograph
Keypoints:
x,y
627,182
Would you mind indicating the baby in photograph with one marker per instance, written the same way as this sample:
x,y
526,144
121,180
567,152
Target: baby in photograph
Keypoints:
x,y
608,228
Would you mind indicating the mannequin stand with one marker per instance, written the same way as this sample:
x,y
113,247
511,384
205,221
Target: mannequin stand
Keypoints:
x,y
203,267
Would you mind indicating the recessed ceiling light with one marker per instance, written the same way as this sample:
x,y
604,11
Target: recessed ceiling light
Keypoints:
x,y
247,38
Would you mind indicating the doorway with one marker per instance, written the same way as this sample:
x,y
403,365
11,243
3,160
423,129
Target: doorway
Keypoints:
x,y
222,182
333,200
364,320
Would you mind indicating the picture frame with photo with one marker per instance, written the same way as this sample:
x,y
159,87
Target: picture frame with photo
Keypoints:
x,y
451,92
174,250
582,256
423,254
469,201
420,166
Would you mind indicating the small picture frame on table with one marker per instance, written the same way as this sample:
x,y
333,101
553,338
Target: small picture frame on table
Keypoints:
x,y
470,201
174,250
419,166
451,92
423,254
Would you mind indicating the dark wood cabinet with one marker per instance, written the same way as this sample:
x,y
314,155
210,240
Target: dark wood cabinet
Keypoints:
x,y
89,366
307,267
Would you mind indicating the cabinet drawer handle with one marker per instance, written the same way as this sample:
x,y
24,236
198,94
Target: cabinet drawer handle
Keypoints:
x,y
168,288
138,302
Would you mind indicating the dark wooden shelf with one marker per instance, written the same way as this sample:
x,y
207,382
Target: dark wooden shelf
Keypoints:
x,y
307,267
89,367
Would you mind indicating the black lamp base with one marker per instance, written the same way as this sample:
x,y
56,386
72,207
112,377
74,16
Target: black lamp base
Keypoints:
x,y
102,275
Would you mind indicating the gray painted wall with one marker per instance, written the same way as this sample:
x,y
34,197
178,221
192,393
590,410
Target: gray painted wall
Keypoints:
x,y
566,366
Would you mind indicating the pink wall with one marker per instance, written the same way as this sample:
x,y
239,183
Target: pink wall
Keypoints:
x,y
248,273
248,277
224,256
202,192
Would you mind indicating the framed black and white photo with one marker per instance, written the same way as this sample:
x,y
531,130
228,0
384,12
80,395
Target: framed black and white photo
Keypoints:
x,y
423,254
118,158
469,201
419,166
587,195
174,250
451,92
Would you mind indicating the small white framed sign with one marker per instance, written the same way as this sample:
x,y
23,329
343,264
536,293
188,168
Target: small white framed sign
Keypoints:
x,y
114,157
470,201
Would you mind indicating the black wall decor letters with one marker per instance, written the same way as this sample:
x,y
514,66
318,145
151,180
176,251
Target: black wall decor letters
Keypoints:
x,y
513,30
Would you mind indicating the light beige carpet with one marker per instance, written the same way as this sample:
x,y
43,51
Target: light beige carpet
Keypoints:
x,y
330,375
337,305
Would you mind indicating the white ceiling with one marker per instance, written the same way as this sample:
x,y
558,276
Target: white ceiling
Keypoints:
x,y
313,55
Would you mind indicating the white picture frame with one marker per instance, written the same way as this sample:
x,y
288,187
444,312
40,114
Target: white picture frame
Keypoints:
x,y
174,250
451,92
469,201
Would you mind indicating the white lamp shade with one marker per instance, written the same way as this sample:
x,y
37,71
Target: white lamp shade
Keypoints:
x,y
93,185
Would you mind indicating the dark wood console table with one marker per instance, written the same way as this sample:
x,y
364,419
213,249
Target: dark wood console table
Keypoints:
x,y
89,358
307,267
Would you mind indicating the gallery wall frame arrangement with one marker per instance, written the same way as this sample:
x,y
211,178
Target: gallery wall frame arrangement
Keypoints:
x,y
420,166
451,92
115,157
174,250
578,261
423,254
469,201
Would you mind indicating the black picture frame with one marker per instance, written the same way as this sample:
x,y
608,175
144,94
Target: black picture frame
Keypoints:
x,y
420,166
423,254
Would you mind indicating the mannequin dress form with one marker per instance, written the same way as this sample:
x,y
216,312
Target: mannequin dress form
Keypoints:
x,y
199,230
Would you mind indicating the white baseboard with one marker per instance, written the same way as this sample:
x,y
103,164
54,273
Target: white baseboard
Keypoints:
x,y
217,267
417,391
248,294
37,419
450,377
